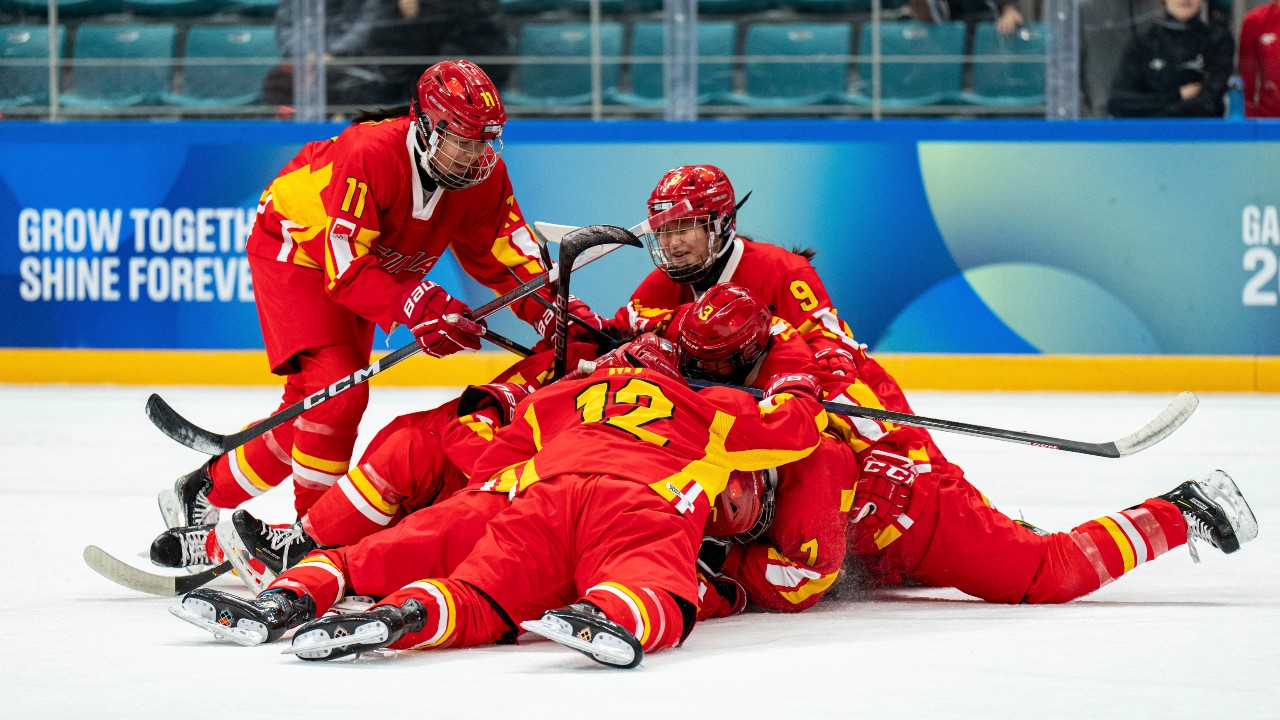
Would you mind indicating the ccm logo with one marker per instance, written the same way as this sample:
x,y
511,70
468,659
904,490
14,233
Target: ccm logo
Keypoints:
x,y
345,383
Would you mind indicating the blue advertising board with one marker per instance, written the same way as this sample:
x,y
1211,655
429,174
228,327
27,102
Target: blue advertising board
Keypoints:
x,y
932,236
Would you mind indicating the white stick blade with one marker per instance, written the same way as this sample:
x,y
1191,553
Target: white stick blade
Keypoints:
x,y
1161,427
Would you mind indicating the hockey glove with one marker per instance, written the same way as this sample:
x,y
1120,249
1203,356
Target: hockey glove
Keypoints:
x,y
797,384
437,319
883,490
837,361
502,396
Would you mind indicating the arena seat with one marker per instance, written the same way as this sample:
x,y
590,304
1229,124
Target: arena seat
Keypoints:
x,y
226,77
611,7
1008,84
909,83
253,7
525,7
66,8
26,83
545,84
789,84
715,79
147,52
734,7
174,8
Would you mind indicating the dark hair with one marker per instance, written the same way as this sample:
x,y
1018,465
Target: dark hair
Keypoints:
x,y
382,113
806,253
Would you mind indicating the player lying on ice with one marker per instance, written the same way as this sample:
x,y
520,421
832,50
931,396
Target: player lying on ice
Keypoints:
x,y
595,550
416,460
900,520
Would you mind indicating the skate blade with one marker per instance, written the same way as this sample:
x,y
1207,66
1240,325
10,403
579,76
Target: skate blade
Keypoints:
x,y
601,647
319,643
245,564
243,637
1246,523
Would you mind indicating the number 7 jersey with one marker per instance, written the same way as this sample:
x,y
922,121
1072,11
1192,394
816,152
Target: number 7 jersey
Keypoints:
x,y
640,425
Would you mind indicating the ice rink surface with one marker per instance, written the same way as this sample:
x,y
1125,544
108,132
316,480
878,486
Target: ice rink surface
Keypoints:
x,y
82,465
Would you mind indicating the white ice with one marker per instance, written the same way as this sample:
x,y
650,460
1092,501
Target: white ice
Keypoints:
x,y
81,465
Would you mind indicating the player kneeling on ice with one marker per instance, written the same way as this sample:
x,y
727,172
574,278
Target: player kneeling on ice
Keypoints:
x,y
594,549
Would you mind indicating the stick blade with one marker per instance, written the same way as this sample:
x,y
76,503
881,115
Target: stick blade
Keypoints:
x,y
182,430
1169,420
126,575
591,236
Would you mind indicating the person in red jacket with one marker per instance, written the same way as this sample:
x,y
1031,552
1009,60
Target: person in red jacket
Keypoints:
x,y
343,239
611,534
1259,61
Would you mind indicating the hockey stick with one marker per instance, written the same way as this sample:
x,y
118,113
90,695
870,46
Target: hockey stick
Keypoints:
x,y
122,573
571,247
1161,427
195,437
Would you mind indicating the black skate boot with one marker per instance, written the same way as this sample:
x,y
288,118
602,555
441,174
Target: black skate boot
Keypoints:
x,y
194,547
582,627
338,636
187,503
244,621
1215,512
279,548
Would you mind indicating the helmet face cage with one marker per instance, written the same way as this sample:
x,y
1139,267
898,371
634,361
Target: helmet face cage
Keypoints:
x,y
768,506
459,120
710,194
440,150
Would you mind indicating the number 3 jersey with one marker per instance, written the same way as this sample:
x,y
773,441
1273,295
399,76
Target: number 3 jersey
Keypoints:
x,y
643,426
358,210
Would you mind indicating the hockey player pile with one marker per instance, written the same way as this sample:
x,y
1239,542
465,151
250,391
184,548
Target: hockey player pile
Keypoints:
x,y
618,484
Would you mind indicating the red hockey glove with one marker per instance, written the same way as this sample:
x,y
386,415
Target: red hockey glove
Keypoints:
x,y
798,384
837,361
883,489
438,320
719,595
502,396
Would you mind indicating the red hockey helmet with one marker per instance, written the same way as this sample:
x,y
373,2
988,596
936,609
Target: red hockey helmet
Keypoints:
x,y
744,509
459,119
677,247
646,351
724,334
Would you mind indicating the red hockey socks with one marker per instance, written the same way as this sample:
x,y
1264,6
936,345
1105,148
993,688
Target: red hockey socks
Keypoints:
x,y
457,615
652,616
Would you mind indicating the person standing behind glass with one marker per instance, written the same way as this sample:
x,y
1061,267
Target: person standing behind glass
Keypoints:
x,y
350,29
1260,61
1179,67
423,30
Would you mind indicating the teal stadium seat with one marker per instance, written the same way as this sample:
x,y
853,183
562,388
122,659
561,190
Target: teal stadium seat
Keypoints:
x,y
223,65
142,77
734,7
841,6
66,8
1008,84
715,79
611,7
261,8
174,8
24,64
907,83
549,84
783,84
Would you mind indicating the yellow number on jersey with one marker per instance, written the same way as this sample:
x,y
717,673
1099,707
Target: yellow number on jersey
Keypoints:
x,y
595,399
812,548
353,185
802,292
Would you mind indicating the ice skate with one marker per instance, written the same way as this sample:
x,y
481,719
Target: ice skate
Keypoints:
x,y
584,628
194,547
279,547
338,636
1215,511
244,621
255,573
187,502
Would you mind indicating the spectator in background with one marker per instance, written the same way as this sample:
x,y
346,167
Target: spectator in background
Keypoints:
x,y
1260,61
350,27
1179,67
436,29
1006,12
